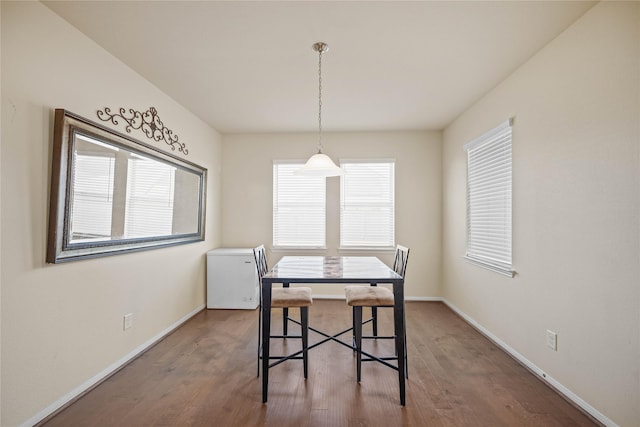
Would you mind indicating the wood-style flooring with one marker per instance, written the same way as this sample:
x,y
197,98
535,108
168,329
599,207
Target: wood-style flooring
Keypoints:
x,y
204,374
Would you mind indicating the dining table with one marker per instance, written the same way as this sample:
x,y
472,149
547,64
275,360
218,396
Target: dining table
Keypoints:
x,y
333,270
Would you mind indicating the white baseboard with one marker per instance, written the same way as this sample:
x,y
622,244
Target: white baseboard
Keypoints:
x,y
431,299
328,297
553,383
91,382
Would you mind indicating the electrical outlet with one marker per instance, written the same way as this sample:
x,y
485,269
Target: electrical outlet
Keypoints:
x,y
128,321
552,340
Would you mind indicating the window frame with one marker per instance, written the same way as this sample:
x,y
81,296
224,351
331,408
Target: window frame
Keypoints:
x,y
392,191
481,153
276,246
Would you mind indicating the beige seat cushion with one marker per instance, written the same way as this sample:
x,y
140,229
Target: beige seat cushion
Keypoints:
x,y
368,296
291,297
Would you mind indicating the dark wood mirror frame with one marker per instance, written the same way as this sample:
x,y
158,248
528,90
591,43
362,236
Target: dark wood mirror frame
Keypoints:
x,y
124,218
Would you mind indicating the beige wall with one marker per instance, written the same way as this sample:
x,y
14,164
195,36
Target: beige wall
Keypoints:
x,y
62,324
247,194
576,213
576,230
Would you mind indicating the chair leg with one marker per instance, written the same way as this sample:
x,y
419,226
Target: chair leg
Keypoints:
x,y
304,323
374,322
285,317
259,336
406,357
353,330
357,313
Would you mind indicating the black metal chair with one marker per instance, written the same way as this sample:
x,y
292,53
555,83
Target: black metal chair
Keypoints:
x,y
285,298
359,296
400,267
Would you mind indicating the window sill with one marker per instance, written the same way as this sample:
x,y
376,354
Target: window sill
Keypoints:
x,y
493,267
298,249
367,249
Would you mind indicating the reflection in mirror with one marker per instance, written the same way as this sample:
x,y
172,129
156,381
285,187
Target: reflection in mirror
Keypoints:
x,y
121,195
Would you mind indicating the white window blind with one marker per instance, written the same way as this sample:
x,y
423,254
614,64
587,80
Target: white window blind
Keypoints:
x,y
367,204
489,199
150,193
298,208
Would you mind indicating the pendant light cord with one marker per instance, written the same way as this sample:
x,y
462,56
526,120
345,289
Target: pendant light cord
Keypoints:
x,y
320,100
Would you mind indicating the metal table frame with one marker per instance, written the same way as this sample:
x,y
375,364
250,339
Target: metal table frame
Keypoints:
x,y
334,270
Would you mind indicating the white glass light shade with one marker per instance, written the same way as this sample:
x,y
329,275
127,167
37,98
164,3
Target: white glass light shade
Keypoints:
x,y
320,165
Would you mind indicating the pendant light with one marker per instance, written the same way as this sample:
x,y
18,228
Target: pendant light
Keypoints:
x,y
320,164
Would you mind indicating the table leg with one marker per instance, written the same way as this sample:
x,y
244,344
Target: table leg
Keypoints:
x,y
285,316
398,322
266,332
304,325
374,317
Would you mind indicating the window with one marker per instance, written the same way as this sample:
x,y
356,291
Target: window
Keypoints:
x,y
367,204
489,199
298,208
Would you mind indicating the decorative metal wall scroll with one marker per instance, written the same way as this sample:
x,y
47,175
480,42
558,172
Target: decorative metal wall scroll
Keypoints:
x,y
148,122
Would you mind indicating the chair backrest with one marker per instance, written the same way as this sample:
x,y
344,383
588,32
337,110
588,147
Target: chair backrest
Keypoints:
x,y
400,261
260,255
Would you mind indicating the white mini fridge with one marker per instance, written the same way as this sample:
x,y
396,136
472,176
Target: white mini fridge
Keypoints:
x,y
232,279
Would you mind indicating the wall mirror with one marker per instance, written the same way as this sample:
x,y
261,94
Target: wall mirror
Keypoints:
x,y
111,194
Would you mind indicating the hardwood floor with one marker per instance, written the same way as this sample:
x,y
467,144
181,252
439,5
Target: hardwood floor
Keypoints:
x,y
204,374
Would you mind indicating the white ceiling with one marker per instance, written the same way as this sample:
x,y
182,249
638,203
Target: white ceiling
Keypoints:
x,y
249,67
